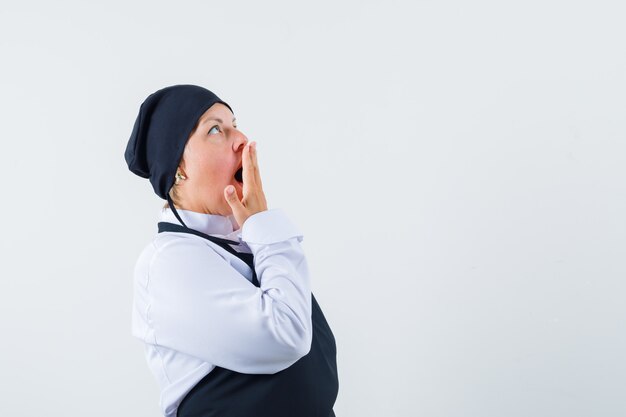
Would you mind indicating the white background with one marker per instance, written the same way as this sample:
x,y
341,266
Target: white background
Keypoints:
x,y
457,169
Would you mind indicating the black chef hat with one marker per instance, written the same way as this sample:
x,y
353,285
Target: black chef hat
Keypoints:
x,y
162,128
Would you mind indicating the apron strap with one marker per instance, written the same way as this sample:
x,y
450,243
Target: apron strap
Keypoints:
x,y
171,227
248,258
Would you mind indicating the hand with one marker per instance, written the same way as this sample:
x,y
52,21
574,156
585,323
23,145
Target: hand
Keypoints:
x,y
253,197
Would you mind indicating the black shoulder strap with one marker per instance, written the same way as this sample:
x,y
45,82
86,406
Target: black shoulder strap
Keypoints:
x,y
248,258
171,227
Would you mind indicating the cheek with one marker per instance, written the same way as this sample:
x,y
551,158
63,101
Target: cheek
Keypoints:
x,y
210,170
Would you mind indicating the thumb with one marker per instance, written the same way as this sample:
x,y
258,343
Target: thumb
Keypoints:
x,y
232,199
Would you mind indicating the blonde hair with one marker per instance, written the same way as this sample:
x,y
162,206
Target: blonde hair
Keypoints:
x,y
174,190
174,195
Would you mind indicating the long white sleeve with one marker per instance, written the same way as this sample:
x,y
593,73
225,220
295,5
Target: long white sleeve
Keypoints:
x,y
200,305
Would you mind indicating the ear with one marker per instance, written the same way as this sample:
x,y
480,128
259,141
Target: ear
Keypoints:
x,y
181,166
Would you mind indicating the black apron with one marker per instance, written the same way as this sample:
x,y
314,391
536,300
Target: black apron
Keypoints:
x,y
308,388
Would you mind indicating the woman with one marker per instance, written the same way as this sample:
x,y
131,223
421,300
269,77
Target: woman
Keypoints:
x,y
222,294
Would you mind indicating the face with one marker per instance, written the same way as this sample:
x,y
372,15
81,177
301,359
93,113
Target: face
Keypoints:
x,y
211,157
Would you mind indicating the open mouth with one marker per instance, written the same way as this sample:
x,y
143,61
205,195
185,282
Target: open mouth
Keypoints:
x,y
239,175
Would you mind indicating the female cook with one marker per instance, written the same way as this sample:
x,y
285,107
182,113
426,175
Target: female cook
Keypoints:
x,y
222,294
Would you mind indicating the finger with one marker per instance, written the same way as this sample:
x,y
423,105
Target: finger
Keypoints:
x,y
248,169
233,200
257,172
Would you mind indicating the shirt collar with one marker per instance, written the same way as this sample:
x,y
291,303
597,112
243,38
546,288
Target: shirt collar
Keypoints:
x,y
211,224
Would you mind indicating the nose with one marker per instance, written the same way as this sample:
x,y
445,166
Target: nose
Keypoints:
x,y
240,140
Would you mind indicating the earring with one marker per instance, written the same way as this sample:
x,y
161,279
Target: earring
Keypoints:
x,y
179,177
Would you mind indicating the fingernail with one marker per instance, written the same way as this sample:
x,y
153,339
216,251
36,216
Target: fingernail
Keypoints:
x,y
230,189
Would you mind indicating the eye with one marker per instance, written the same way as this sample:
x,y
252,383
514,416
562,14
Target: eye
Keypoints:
x,y
213,128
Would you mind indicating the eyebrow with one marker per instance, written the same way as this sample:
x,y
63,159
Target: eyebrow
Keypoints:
x,y
216,119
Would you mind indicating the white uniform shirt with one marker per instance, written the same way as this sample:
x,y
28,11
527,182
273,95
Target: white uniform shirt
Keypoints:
x,y
195,307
